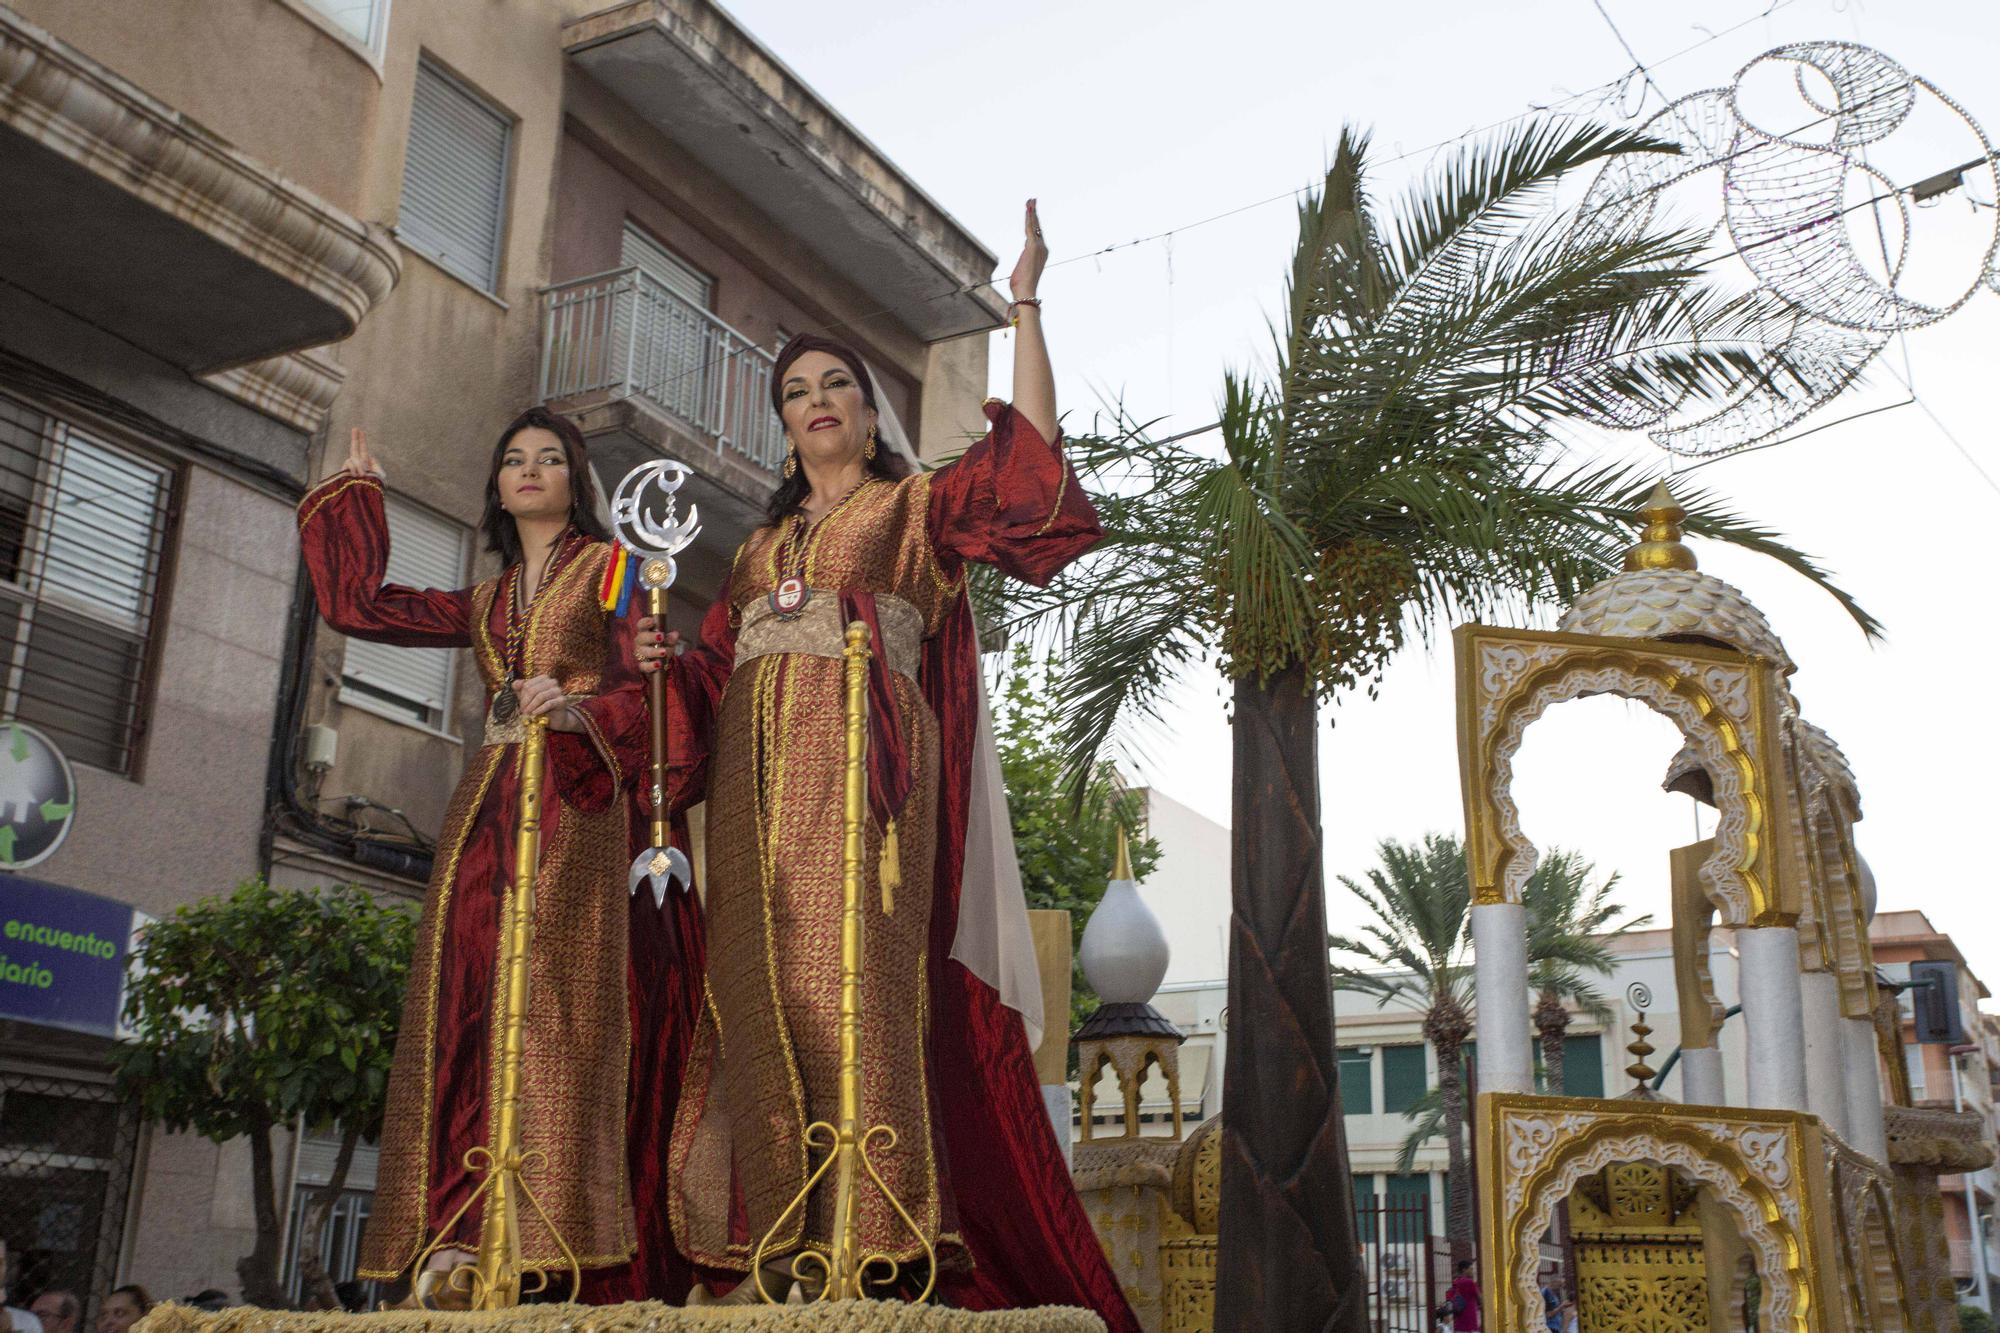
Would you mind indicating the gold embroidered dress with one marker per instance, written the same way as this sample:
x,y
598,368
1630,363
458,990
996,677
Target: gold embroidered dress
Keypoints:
x,y
578,1038
758,732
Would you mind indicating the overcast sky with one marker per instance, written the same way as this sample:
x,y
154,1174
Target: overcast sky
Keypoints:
x,y
1129,120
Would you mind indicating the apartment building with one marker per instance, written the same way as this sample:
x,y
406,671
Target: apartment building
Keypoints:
x,y
1958,1078
232,230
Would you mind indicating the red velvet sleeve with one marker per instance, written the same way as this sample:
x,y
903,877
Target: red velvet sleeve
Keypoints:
x,y
1011,500
695,682
592,766
344,536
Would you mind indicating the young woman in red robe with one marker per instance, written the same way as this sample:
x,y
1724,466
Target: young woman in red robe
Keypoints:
x,y
544,646
756,732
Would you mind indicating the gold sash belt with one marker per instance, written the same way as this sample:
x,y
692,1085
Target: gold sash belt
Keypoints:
x,y
818,630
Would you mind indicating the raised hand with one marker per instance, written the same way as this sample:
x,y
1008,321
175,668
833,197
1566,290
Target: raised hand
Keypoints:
x,y
360,462
1027,274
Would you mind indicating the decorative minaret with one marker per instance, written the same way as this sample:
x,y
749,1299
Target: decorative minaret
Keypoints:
x,y
1124,955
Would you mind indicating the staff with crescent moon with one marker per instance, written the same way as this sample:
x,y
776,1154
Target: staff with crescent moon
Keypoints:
x,y
649,547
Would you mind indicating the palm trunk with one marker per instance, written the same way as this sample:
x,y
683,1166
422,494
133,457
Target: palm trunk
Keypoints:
x,y
1448,1034
1287,1256
1552,1027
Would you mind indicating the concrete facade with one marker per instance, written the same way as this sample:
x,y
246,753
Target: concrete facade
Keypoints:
x,y
319,120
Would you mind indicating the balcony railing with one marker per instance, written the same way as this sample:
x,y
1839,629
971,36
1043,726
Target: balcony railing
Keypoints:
x,y
624,334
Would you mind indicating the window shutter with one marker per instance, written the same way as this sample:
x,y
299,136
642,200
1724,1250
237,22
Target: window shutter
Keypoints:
x,y
638,250
1357,1095
455,179
1583,1066
425,551
1404,1078
1366,1205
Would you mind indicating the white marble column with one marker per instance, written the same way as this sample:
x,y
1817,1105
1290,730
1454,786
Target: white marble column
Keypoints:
x,y
1826,1048
1862,1067
1701,1076
1773,1018
1500,980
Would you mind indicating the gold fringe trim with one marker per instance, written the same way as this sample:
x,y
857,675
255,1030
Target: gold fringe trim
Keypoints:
x,y
637,1317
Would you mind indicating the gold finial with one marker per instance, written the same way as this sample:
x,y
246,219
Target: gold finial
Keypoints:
x,y
1639,1048
1123,870
1660,536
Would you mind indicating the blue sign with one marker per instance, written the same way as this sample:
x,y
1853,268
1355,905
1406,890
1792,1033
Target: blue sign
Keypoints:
x,y
62,955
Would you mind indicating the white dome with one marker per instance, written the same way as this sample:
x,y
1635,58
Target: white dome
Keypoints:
x,y
1661,595
1124,952
1676,604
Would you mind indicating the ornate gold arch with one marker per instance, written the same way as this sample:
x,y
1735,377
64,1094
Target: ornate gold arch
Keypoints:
x,y
1767,1169
1725,704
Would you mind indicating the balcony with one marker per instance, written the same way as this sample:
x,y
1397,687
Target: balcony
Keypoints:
x,y
647,373
699,79
128,215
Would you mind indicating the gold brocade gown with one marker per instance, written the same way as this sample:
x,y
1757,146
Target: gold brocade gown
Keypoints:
x,y
766,1051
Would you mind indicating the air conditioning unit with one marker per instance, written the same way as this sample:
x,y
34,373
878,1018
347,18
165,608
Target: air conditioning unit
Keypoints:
x,y
1395,1288
1396,1262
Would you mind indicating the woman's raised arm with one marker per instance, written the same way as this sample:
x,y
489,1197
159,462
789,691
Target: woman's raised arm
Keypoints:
x,y
344,536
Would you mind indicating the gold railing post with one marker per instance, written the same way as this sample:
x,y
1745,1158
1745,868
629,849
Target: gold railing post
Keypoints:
x,y
845,1265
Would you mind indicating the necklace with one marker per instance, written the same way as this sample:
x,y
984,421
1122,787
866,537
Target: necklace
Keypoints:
x,y
790,594
506,704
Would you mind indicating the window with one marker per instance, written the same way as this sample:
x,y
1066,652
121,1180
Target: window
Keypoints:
x,y
425,551
1365,1207
1404,1078
364,20
455,179
83,527
1583,1066
674,346
1913,1060
1407,1202
1357,1076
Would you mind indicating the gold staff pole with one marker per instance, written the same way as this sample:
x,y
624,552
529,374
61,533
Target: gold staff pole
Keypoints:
x,y
493,1281
845,1265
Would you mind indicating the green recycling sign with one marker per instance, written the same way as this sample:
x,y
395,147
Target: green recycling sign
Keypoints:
x,y
37,796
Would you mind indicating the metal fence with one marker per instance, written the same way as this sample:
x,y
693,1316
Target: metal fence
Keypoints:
x,y
1398,1258
623,333
67,1149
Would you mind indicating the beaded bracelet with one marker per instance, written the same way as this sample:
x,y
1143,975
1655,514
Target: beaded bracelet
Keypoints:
x,y
1014,319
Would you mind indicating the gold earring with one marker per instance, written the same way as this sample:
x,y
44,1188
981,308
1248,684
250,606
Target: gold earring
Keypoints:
x,y
791,468
868,450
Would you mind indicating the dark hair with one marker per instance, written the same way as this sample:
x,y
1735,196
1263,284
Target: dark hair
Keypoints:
x,y
793,491
1463,1264
137,1293
502,538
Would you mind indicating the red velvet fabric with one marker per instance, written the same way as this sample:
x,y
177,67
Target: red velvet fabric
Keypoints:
x,y
1011,501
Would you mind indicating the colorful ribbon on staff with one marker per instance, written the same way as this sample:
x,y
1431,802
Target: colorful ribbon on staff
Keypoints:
x,y
621,576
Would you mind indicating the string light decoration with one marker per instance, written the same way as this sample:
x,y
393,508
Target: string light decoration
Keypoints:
x,y
1794,181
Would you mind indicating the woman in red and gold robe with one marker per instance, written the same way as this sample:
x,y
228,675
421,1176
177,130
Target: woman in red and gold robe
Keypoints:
x,y
757,733
544,646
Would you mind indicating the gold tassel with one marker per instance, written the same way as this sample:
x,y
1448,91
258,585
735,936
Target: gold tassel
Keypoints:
x,y
892,868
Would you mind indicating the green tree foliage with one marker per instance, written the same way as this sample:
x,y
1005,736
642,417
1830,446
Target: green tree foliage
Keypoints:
x,y
1066,847
253,1010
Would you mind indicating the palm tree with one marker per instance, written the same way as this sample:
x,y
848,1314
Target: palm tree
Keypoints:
x,y
1392,472
1413,950
1570,929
